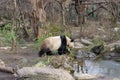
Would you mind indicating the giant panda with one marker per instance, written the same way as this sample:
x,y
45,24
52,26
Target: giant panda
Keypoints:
x,y
56,43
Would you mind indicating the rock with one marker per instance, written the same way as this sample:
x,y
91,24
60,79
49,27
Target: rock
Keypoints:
x,y
63,61
116,29
23,47
86,76
117,48
83,54
78,45
114,45
112,56
116,79
86,42
107,56
2,63
5,48
37,73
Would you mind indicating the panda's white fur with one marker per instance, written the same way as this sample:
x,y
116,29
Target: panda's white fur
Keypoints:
x,y
54,43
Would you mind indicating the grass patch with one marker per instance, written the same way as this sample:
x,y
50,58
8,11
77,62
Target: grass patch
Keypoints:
x,y
43,62
6,35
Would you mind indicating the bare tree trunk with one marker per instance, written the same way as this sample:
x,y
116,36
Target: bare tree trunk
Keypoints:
x,y
52,11
113,6
39,16
63,15
62,4
80,9
80,23
14,42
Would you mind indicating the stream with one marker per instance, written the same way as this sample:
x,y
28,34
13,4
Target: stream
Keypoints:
x,y
108,69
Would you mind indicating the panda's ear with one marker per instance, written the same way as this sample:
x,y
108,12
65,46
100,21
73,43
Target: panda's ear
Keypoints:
x,y
72,40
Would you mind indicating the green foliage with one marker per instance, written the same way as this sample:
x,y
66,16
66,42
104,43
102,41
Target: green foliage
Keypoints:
x,y
40,64
53,29
5,16
43,63
7,27
96,42
73,53
7,34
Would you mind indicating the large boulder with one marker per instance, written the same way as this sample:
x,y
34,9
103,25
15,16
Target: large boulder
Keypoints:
x,y
37,73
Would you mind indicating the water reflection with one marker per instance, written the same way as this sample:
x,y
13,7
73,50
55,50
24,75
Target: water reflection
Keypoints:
x,y
106,68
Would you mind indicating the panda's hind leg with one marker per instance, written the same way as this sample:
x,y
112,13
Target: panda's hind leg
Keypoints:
x,y
47,51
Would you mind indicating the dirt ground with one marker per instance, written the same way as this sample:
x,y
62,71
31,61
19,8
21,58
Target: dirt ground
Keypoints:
x,y
23,57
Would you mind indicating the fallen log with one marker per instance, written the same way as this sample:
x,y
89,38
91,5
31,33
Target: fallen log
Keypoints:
x,y
7,69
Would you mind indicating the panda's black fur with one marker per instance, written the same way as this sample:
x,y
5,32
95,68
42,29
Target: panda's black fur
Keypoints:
x,y
61,50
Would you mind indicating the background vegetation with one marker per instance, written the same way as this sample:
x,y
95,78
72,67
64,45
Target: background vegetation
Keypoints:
x,y
23,21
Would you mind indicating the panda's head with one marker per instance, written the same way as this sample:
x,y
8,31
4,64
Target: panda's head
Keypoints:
x,y
70,42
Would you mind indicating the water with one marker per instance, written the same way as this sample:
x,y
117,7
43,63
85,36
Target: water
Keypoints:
x,y
106,68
